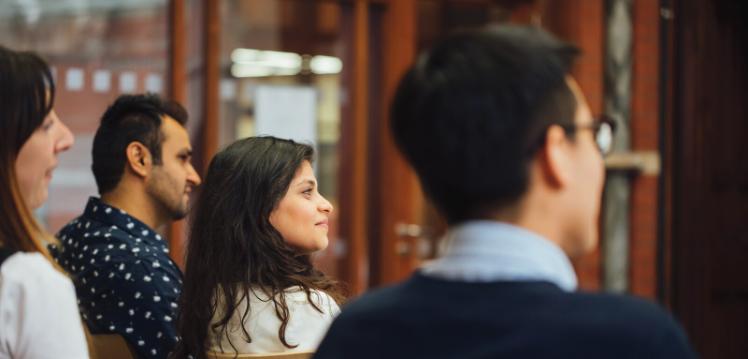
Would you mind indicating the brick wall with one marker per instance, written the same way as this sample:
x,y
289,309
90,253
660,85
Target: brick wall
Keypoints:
x,y
645,107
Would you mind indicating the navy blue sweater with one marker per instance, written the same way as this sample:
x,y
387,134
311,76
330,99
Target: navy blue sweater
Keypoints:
x,y
432,318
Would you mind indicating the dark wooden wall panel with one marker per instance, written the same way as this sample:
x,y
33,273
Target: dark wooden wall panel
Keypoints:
x,y
710,180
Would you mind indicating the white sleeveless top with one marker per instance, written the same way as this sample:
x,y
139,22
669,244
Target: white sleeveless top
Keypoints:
x,y
38,311
306,326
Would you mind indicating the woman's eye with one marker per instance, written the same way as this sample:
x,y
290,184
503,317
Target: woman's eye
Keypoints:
x,y
47,125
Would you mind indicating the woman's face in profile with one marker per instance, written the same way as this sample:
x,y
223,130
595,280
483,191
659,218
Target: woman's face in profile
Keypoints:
x,y
302,214
38,158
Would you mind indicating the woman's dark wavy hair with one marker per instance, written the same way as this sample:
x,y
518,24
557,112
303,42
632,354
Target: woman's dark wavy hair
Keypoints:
x,y
27,93
231,231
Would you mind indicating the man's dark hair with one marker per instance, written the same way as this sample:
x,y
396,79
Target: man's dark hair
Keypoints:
x,y
130,118
471,113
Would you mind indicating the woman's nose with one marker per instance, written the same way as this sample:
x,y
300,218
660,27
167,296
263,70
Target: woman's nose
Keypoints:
x,y
65,138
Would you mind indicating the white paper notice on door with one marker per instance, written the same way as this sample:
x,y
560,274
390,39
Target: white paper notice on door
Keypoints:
x,y
287,112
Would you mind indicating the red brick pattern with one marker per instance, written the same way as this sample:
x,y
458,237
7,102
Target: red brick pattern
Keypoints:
x,y
645,108
643,238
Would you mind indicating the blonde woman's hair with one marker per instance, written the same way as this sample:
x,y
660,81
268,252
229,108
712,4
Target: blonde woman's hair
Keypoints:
x,y
26,98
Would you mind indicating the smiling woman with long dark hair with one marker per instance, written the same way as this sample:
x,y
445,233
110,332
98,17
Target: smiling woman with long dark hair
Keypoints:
x,y
37,302
250,286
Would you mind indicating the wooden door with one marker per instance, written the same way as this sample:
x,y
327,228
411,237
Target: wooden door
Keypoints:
x,y
709,201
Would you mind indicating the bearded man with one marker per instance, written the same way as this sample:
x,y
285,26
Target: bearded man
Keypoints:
x,y
125,280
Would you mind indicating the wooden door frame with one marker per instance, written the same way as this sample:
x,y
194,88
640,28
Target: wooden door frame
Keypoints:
x,y
383,191
177,91
399,194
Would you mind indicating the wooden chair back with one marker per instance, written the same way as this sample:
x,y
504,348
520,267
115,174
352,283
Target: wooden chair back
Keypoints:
x,y
289,355
108,346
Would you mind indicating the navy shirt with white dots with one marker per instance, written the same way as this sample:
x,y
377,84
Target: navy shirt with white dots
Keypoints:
x,y
125,280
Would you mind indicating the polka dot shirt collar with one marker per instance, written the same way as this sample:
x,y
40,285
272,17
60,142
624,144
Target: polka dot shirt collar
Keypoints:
x,y
97,210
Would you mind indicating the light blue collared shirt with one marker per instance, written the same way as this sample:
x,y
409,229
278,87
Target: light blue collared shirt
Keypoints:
x,y
487,251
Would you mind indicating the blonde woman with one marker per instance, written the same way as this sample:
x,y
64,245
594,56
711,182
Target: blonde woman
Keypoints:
x,y
37,302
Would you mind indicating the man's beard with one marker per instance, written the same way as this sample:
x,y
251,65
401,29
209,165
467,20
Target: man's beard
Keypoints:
x,y
180,212
160,189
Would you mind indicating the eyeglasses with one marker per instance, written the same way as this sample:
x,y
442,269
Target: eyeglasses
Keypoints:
x,y
603,128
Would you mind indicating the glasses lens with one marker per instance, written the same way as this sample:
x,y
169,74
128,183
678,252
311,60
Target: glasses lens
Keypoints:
x,y
604,138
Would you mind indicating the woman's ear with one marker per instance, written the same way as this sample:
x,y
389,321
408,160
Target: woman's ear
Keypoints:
x,y
555,158
139,158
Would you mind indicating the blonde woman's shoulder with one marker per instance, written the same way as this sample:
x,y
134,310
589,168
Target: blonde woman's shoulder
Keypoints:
x,y
30,269
40,312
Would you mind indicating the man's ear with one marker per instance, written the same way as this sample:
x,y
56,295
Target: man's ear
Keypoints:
x,y
139,158
555,157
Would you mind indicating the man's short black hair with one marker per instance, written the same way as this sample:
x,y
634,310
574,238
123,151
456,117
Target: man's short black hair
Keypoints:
x,y
130,118
470,114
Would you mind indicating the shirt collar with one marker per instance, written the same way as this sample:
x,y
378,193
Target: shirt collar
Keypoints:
x,y
484,251
99,211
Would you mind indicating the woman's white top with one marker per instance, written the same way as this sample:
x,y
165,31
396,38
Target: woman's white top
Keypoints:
x,y
38,311
306,326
